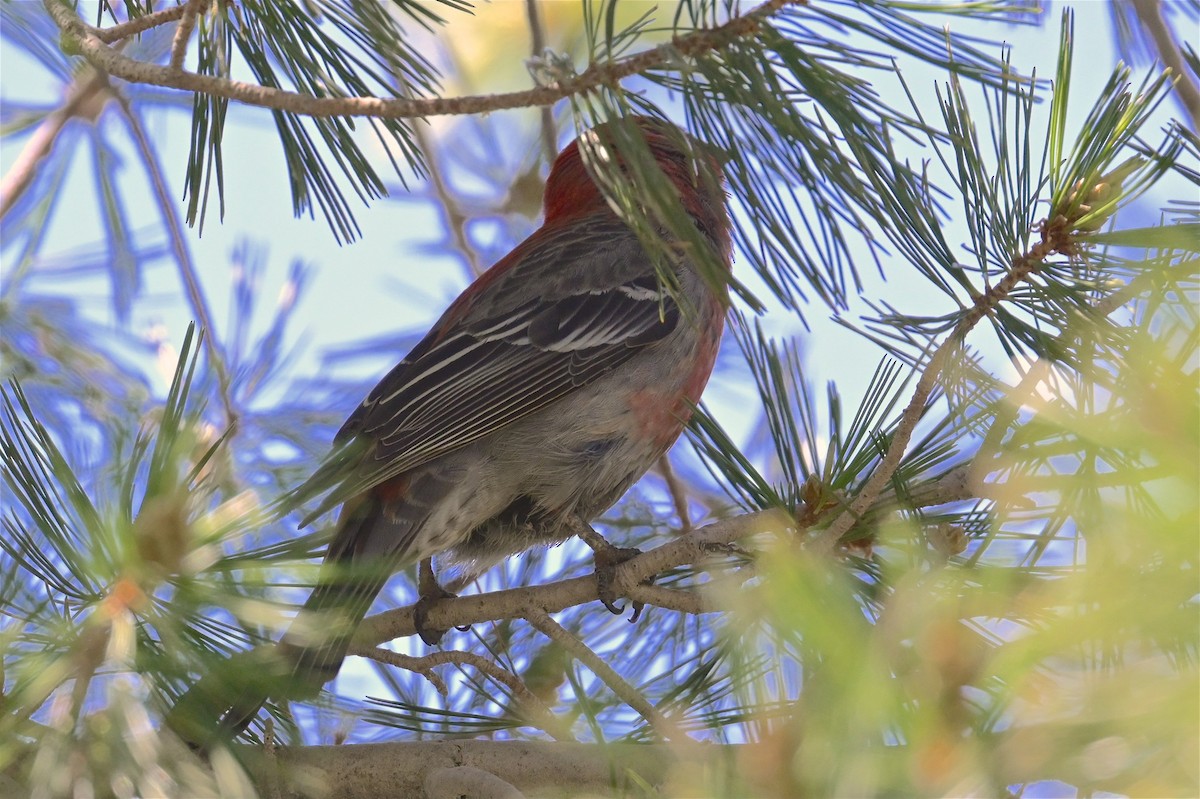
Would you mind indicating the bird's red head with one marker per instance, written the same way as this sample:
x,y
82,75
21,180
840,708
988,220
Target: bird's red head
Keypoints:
x,y
571,191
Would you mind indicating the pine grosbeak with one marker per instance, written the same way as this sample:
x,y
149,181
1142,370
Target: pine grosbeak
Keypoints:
x,y
550,386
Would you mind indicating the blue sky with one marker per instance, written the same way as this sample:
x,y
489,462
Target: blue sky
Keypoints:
x,y
393,279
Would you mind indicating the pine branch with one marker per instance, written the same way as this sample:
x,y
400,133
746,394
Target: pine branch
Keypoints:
x,y
530,705
85,94
1054,239
133,27
183,33
690,549
539,768
88,42
187,269
1186,88
607,674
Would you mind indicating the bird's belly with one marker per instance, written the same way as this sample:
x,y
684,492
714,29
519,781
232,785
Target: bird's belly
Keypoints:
x,y
576,457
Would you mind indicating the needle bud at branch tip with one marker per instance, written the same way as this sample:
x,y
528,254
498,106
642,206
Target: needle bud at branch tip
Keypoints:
x,y
1092,203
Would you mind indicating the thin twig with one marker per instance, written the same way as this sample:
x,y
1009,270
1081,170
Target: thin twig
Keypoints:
x,y
87,41
135,26
589,536
543,717
537,41
988,454
1053,240
455,219
183,33
81,95
548,627
694,549
989,450
183,257
1186,89
678,492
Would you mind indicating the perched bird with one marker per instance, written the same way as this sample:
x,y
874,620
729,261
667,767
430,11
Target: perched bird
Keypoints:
x,y
546,390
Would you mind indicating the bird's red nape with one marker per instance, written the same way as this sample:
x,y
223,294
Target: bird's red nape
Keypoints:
x,y
571,191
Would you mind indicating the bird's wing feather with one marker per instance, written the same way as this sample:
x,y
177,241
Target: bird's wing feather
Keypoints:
x,y
497,360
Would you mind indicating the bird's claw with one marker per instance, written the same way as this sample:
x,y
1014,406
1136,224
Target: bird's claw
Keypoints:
x,y
607,561
425,603
430,592
638,607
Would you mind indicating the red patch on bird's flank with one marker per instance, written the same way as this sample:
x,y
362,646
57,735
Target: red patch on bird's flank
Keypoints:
x,y
660,416
392,490
662,413
706,353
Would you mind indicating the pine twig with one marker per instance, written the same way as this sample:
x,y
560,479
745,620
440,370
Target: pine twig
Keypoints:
x,y
86,40
183,257
81,98
542,716
183,33
1053,239
133,27
693,548
537,42
548,627
455,219
988,454
678,492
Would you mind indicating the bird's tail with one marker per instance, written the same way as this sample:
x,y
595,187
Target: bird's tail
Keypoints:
x,y
227,699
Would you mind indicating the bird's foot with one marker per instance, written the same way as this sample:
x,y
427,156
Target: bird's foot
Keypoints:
x,y
608,558
426,603
431,593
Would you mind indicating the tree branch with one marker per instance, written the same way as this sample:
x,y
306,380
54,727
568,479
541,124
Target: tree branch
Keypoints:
x,y
1186,90
183,33
542,768
553,597
467,781
86,92
183,258
676,599
692,549
139,24
534,709
538,768
89,42
548,627
960,484
1054,239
